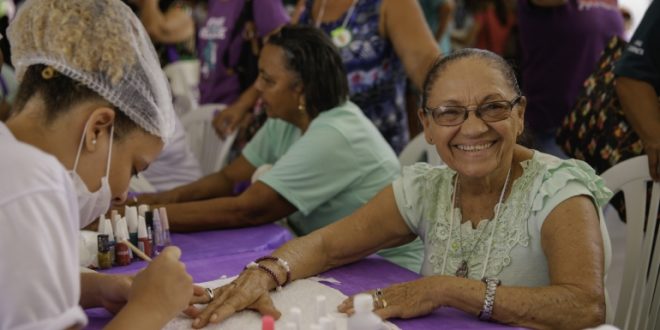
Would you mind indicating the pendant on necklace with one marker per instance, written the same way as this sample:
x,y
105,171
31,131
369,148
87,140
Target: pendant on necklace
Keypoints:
x,y
341,37
463,269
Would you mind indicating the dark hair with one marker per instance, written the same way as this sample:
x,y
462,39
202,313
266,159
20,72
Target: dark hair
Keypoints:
x,y
60,93
313,57
443,62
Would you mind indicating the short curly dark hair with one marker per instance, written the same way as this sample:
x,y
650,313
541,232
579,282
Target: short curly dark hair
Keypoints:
x,y
314,58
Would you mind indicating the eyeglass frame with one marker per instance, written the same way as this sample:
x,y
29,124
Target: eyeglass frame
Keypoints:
x,y
466,110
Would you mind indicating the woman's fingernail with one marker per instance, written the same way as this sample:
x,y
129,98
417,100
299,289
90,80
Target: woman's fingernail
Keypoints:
x,y
213,317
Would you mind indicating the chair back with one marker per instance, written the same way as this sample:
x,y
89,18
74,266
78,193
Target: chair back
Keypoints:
x,y
418,150
210,150
184,82
639,298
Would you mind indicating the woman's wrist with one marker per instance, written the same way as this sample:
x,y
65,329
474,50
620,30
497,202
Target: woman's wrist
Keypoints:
x,y
437,290
172,196
279,266
276,268
255,275
90,293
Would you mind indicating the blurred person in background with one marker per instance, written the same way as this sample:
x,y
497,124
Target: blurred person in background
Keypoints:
x,y
561,42
380,42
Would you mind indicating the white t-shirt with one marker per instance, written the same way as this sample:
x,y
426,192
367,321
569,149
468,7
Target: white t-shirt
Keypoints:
x,y
39,273
176,165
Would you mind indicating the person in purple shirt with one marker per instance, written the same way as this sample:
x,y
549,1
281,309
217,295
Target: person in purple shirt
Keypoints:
x,y
561,41
218,83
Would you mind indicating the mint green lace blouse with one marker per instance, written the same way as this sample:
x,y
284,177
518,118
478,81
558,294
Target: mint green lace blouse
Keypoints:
x,y
423,196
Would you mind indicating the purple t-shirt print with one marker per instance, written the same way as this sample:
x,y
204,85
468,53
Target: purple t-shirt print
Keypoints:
x,y
214,34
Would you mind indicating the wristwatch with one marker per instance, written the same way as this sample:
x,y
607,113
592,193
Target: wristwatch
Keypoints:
x,y
489,301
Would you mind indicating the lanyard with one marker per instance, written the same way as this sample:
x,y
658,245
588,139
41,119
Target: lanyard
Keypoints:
x,y
348,15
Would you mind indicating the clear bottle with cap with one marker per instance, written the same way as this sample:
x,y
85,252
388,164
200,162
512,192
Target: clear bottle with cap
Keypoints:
x,y
364,317
320,308
165,226
158,245
296,315
142,209
327,323
144,243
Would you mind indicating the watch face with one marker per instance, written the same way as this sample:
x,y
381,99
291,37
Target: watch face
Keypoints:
x,y
489,280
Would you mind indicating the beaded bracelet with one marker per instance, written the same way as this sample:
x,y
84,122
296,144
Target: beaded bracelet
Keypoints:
x,y
282,263
267,270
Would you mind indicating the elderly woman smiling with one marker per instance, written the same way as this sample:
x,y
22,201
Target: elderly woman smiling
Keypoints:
x,y
498,218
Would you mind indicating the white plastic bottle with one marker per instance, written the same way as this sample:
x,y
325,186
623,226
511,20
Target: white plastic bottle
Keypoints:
x,y
364,317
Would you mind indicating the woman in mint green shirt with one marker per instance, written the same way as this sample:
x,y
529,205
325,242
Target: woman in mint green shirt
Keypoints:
x,y
328,158
510,234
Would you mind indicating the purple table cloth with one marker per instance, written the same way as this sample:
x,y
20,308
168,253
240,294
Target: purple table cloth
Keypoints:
x,y
370,273
213,244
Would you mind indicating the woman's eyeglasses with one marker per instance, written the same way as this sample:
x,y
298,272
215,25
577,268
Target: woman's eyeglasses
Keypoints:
x,y
453,115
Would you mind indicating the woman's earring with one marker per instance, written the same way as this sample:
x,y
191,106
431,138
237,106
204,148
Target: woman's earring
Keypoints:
x,y
47,73
94,141
301,107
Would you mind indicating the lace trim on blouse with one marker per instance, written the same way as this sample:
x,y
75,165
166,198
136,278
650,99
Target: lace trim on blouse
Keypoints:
x,y
544,178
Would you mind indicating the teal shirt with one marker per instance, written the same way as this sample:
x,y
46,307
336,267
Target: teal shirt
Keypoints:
x,y
339,164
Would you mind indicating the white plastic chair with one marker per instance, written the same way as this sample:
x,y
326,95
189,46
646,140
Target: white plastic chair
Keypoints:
x,y
639,298
418,150
211,151
184,81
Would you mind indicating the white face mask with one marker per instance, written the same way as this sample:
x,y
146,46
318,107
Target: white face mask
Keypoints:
x,y
92,204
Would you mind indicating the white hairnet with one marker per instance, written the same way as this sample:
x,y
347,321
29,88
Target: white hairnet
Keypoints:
x,y
101,44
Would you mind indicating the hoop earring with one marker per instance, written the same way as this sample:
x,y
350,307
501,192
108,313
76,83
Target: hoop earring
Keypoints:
x,y
47,73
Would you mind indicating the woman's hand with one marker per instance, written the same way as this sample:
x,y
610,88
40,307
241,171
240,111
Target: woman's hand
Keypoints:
x,y
229,119
164,284
157,294
403,300
104,290
114,292
248,291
